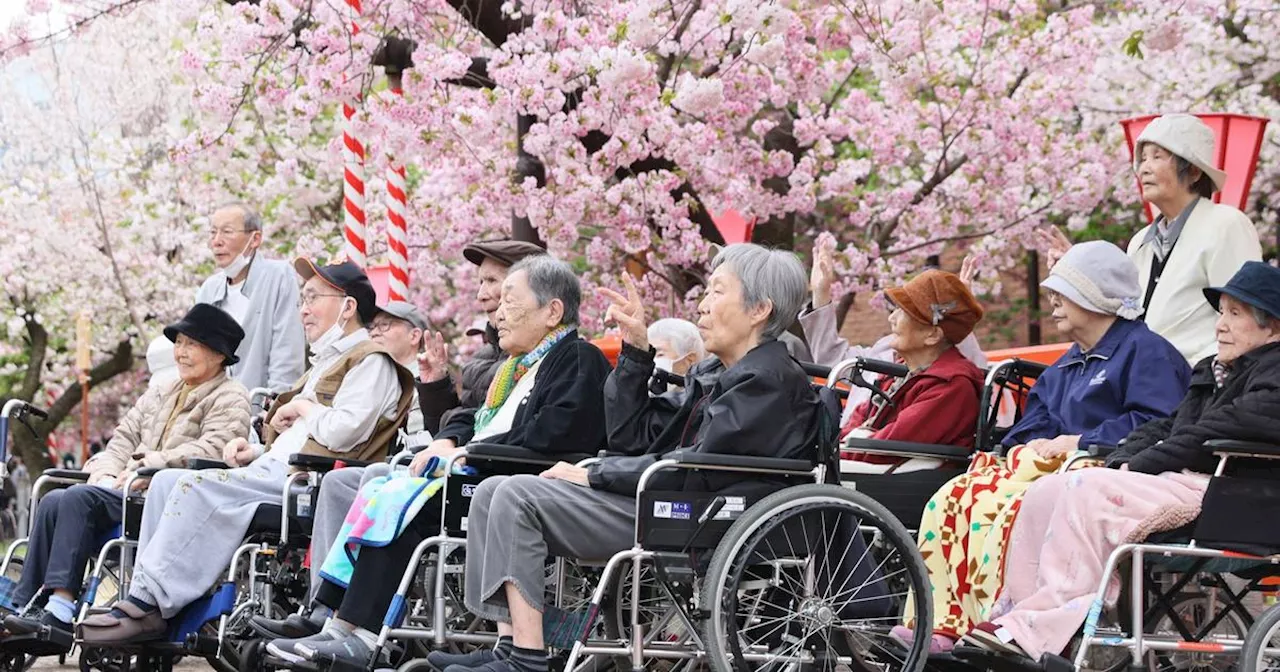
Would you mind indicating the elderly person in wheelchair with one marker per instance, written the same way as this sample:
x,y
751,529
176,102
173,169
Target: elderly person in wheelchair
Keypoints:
x,y
546,397
937,402
194,415
762,404
349,405
1117,376
1070,523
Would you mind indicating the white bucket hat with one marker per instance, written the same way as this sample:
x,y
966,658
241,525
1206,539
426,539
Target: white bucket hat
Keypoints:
x,y
1099,277
1183,135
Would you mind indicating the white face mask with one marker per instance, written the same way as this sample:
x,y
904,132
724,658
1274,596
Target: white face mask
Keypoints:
x,y
239,263
333,334
664,363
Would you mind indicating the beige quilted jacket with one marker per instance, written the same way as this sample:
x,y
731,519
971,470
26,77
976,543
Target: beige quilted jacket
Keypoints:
x,y
213,414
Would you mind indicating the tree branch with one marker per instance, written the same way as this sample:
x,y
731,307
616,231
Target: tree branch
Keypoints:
x,y
37,347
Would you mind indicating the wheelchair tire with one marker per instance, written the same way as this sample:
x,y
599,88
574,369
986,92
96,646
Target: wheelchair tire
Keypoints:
x,y
799,630
1265,633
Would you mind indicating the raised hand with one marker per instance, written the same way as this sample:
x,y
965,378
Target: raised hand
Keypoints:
x,y
1054,243
628,313
823,274
433,361
968,270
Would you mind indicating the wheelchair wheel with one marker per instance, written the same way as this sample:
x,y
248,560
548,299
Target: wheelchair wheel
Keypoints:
x,y
1261,651
813,577
1195,611
15,662
659,622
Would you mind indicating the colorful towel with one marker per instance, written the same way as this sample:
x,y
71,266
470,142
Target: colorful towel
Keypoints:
x,y
379,514
964,531
1069,525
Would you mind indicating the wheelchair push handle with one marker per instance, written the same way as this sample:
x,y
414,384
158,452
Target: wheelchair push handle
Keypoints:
x,y
15,409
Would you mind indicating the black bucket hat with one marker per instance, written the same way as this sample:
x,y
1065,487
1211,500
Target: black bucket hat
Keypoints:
x,y
347,278
1256,283
211,327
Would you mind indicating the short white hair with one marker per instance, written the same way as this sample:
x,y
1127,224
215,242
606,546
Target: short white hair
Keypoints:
x,y
681,335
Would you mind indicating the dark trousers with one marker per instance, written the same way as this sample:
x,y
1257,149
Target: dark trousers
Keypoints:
x,y
377,573
69,524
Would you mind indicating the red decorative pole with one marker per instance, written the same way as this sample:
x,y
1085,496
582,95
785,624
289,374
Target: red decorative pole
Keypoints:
x,y
353,229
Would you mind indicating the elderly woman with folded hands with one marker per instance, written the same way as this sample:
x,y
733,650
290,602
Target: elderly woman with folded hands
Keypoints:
x,y
194,415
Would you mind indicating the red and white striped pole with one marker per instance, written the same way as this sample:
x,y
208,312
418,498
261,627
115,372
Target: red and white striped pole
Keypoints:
x,y
353,229
397,234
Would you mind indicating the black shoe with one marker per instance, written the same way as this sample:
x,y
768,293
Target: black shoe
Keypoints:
x,y
293,626
26,625
439,660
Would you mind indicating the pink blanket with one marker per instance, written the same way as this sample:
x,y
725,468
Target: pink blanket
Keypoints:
x,y
1068,527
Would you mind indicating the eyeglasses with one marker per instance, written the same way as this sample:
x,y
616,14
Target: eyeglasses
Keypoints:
x,y
381,326
215,234
309,298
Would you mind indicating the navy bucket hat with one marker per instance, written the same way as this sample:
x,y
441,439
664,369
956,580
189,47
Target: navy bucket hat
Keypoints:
x,y
1256,283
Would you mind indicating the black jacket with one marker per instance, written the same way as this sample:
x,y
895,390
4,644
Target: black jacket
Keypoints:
x,y
763,406
1247,408
564,413
439,397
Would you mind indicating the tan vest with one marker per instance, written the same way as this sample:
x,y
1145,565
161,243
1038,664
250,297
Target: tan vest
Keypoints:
x,y
376,448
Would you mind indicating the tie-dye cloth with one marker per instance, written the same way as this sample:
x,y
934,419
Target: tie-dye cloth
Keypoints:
x,y
382,509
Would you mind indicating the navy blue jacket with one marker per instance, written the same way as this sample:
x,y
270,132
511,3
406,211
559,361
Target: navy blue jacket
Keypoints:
x,y
1131,376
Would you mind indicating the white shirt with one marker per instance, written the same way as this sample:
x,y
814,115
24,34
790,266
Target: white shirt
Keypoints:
x,y
236,304
369,391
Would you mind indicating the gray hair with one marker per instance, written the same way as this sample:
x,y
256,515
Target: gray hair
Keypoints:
x,y
767,275
248,216
681,334
1262,317
550,278
1203,186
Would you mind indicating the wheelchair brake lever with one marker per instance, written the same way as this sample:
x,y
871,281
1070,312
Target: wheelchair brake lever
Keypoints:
x,y
706,517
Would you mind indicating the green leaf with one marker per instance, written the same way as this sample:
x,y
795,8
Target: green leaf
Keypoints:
x,y
1133,46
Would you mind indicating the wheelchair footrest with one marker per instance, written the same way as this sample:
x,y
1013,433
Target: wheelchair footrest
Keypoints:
x,y
984,659
46,642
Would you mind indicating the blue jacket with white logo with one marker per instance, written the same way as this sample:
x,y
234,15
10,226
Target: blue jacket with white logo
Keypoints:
x,y
1131,376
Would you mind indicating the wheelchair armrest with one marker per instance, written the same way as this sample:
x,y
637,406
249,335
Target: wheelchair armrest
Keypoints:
x,y
1225,447
906,449
500,452
727,462
1100,450
202,463
148,472
322,463
68,474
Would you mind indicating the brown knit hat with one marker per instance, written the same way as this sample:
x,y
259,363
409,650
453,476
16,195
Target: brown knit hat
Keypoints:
x,y
939,298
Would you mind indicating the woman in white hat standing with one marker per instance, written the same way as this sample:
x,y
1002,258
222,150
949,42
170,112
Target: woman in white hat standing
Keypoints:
x,y
1194,243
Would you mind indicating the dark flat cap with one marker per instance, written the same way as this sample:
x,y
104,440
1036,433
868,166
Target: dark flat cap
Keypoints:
x,y
505,252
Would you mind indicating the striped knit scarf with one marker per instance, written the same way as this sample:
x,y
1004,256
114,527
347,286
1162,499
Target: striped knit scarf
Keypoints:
x,y
510,373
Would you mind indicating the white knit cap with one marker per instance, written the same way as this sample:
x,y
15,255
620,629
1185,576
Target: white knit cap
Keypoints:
x,y
160,362
1098,277
1183,135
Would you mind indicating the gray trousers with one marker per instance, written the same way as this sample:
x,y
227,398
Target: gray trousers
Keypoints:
x,y
192,524
338,491
515,522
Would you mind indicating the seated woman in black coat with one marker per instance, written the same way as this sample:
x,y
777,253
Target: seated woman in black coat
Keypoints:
x,y
1070,523
762,404
546,397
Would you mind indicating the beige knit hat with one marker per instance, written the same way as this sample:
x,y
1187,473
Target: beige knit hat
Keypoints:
x,y
1183,135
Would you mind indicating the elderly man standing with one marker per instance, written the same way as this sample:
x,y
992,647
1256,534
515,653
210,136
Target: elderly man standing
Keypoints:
x,y
350,404
438,396
260,294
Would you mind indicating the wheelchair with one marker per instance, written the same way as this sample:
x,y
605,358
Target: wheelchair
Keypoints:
x,y
267,576
1003,397
426,612
1177,610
